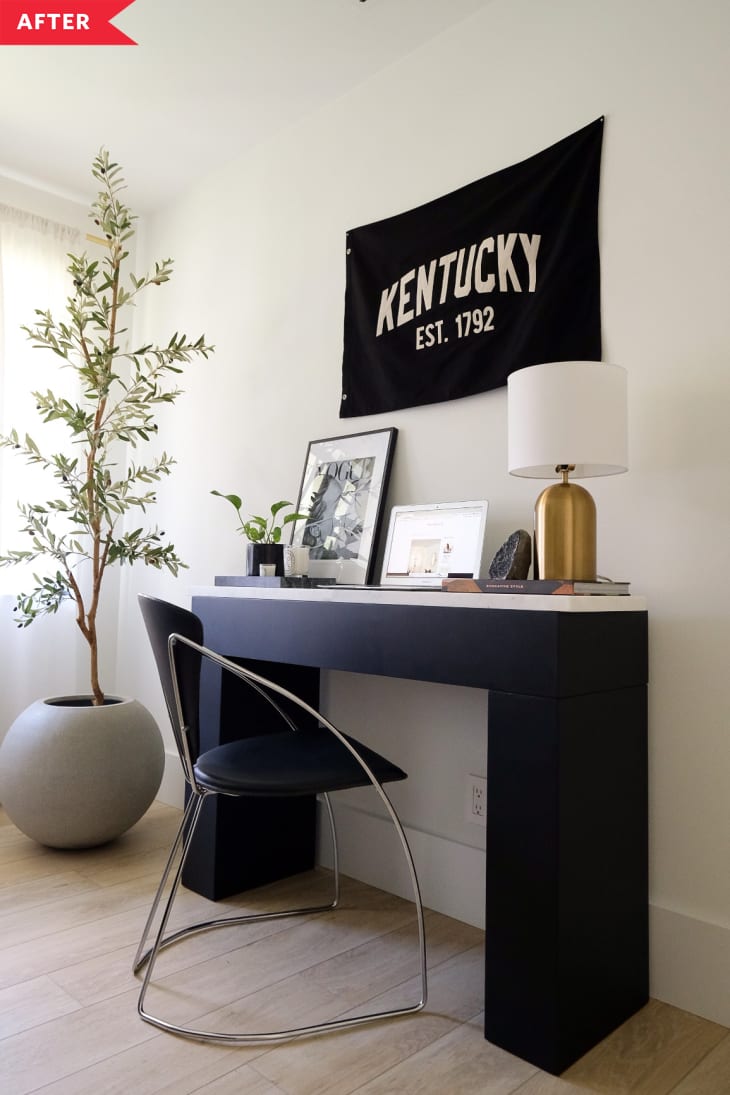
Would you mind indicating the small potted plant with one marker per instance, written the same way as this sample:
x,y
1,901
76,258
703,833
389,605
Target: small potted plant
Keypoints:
x,y
263,535
78,770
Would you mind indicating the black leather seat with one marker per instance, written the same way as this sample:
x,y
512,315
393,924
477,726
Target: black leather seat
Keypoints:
x,y
316,759
307,762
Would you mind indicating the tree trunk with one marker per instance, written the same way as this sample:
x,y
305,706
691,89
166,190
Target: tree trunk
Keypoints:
x,y
94,667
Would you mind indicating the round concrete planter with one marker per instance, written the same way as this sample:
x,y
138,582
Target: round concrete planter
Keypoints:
x,y
73,775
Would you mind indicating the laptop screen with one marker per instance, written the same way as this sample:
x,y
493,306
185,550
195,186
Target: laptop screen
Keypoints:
x,y
430,542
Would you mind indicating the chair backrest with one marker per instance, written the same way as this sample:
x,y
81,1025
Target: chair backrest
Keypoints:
x,y
163,619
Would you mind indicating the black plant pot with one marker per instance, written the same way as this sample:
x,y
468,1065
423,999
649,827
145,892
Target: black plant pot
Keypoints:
x,y
259,554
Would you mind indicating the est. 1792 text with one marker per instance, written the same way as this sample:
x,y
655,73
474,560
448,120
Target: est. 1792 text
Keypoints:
x,y
477,321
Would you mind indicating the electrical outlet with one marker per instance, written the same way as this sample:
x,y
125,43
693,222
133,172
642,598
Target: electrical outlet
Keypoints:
x,y
475,802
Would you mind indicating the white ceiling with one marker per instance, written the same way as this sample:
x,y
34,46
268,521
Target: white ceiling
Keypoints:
x,y
206,81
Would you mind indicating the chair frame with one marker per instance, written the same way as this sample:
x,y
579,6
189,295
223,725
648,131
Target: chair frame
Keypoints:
x,y
147,958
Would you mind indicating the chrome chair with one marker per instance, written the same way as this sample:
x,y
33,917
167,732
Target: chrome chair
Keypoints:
x,y
293,761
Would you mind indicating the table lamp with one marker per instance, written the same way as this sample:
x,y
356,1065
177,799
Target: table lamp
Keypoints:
x,y
566,418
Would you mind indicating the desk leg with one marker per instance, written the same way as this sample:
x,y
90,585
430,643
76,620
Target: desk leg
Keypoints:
x,y
241,843
567,892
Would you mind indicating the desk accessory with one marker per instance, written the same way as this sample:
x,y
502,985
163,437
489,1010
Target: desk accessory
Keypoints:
x,y
264,548
426,543
552,587
344,484
567,418
513,559
296,561
292,581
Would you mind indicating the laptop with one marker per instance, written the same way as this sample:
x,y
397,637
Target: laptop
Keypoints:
x,y
428,543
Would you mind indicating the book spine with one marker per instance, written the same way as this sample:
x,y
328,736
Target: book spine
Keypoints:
x,y
508,585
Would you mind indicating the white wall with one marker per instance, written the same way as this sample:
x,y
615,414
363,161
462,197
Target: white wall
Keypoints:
x,y
57,207
259,249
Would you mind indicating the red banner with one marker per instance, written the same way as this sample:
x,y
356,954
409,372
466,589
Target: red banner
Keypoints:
x,y
70,23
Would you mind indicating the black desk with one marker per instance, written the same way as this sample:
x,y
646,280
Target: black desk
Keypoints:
x,y
567,898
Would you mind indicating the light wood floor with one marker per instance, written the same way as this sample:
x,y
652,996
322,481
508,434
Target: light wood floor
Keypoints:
x,y
69,923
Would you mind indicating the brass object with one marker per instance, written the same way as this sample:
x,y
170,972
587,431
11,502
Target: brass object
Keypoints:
x,y
565,531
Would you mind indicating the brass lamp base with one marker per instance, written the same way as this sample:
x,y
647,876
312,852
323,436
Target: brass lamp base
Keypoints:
x,y
565,532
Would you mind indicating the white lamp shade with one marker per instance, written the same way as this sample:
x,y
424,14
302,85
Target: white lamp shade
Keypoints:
x,y
567,412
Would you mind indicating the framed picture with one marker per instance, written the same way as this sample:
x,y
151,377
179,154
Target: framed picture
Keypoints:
x,y
343,488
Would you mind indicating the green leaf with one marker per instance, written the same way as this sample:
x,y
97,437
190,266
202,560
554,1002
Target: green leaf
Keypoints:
x,y
232,498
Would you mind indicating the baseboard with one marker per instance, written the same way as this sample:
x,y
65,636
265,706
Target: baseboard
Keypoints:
x,y
690,963
451,876
172,788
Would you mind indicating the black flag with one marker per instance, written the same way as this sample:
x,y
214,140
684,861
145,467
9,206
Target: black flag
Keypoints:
x,y
448,299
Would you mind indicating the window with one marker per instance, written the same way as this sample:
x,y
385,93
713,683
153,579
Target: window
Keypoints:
x,y
33,275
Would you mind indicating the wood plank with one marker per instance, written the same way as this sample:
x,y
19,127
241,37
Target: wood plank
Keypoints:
x,y
244,1081
31,1003
648,1055
70,1043
712,1074
460,1061
344,1062
98,903
161,1065
18,897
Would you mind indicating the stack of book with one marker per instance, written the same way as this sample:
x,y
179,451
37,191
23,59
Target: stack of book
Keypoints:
x,y
550,586
271,582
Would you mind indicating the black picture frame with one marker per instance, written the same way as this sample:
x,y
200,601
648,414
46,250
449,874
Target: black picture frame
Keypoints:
x,y
342,492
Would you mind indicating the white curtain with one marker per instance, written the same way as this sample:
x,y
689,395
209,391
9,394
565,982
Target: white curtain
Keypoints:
x,y
40,660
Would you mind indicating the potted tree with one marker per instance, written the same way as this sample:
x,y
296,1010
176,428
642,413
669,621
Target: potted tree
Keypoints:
x,y
263,534
79,770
